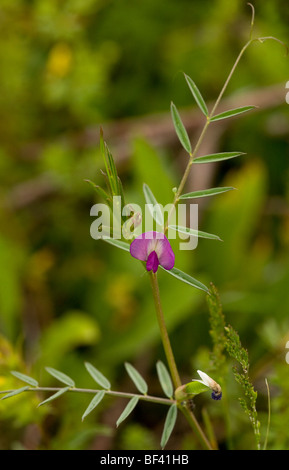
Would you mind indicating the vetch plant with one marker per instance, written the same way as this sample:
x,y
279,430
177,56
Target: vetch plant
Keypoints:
x,y
154,250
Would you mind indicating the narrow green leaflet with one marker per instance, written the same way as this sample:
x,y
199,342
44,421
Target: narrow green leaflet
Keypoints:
x,y
25,378
55,395
118,243
15,392
169,424
231,113
101,192
154,207
194,233
93,404
180,129
206,192
128,409
216,157
137,379
121,192
111,175
60,376
197,95
165,379
186,278
109,165
113,172
99,378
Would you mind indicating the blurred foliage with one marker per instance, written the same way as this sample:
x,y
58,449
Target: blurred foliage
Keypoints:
x,y
67,66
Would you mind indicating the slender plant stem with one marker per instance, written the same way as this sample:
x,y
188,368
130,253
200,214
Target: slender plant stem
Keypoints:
x,y
160,400
201,137
229,78
185,175
172,364
163,331
166,343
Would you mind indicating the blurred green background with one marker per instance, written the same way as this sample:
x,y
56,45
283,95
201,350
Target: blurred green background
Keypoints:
x,y
67,68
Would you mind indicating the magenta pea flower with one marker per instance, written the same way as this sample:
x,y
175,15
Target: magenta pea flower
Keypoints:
x,y
155,249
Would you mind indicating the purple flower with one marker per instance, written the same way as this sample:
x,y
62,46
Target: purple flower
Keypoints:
x,y
155,249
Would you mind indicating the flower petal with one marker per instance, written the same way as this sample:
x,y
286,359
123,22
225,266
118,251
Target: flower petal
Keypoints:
x,y
166,255
205,378
139,247
152,262
214,386
147,243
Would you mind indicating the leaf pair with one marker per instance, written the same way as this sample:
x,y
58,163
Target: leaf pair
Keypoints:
x,y
101,380
167,386
140,383
182,132
62,378
142,387
33,383
96,375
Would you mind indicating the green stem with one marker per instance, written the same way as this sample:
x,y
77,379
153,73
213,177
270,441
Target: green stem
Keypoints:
x,y
160,400
163,330
201,137
172,363
229,78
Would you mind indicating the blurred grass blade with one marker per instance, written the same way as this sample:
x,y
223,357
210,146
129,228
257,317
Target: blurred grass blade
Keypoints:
x,y
101,192
109,166
103,149
99,378
206,192
187,279
118,243
165,379
180,129
269,416
231,113
93,404
15,392
154,207
194,233
25,378
120,191
137,379
55,395
197,95
128,409
216,157
169,424
113,172
60,376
